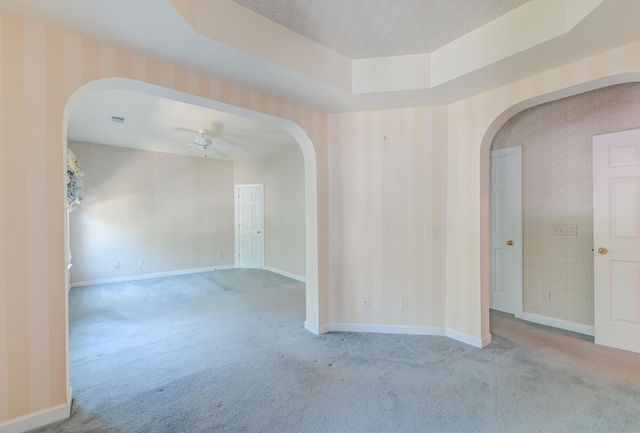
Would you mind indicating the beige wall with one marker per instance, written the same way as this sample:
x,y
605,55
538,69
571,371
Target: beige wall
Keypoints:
x,y
283,179
41,68
557,188
174,212
387,183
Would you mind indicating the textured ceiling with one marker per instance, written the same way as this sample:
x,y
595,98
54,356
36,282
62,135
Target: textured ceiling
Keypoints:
x,y
361,29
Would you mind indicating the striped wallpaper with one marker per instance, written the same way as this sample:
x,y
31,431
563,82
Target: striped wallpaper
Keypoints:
x,y
40,69
386,185
375,197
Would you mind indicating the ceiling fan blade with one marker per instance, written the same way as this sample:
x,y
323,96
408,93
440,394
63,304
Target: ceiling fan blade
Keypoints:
x,y
193,131
217,152
225,147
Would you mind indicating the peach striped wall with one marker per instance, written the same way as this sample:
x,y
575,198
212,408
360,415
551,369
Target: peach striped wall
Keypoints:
x,y
370,209
386,185
472,125
40,69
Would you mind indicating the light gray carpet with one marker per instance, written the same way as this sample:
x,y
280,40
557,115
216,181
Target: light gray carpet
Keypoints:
x,y
226,352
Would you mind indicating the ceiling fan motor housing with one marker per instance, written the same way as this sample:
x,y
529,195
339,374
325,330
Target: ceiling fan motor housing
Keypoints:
x,y
201,141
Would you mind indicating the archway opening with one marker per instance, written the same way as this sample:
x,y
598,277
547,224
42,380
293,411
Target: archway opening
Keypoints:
x,y
487,141
312,302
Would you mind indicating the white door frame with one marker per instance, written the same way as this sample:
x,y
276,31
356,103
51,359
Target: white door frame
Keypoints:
x,y
515,177
236,223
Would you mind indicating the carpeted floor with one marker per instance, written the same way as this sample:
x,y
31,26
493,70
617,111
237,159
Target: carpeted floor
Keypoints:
x,y
226,352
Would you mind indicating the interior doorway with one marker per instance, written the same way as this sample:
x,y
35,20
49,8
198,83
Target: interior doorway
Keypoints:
x,y
505,177
249,226
312,320
555,131
616,201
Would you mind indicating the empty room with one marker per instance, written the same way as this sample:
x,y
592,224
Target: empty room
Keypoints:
x,y
445,237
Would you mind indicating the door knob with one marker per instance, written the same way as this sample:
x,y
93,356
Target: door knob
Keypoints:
x,y
509,243
603,250
258,231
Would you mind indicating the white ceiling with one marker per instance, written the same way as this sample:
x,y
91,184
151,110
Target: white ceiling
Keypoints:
x,y
164,125
360,29
354,28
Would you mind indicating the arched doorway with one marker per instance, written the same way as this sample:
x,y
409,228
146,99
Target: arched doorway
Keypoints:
x,y
303,140
487,141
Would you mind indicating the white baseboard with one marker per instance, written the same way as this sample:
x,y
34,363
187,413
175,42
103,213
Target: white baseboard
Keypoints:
x,y
38,419
315,329
487,340
285,273
468,339
148,276
401,330
386,329
311,327
558,323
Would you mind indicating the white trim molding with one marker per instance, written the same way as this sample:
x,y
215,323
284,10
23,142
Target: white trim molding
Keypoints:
x,y
433,331
386,329
468,339
149,276
285,274
39,419
558,323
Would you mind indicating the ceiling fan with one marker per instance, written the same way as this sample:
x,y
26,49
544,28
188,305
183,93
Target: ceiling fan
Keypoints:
x,y
202,142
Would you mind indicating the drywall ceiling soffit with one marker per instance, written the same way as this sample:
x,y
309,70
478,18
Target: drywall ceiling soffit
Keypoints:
x,y
496,46
155,28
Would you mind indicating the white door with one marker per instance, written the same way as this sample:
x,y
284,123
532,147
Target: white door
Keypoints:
x,y
505,201
616,233
249,226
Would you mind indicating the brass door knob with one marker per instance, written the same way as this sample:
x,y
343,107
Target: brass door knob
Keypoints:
x,y
509,243
603,250
258,231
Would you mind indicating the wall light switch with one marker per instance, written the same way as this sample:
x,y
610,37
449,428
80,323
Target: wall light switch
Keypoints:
x,y
565,229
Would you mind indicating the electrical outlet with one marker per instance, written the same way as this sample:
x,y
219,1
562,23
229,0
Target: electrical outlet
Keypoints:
x,y
547,296
404,303
429,232
140,262
365,302
117,265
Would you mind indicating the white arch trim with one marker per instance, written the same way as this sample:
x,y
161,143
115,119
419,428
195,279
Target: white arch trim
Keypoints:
x,y
485,146
310,172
